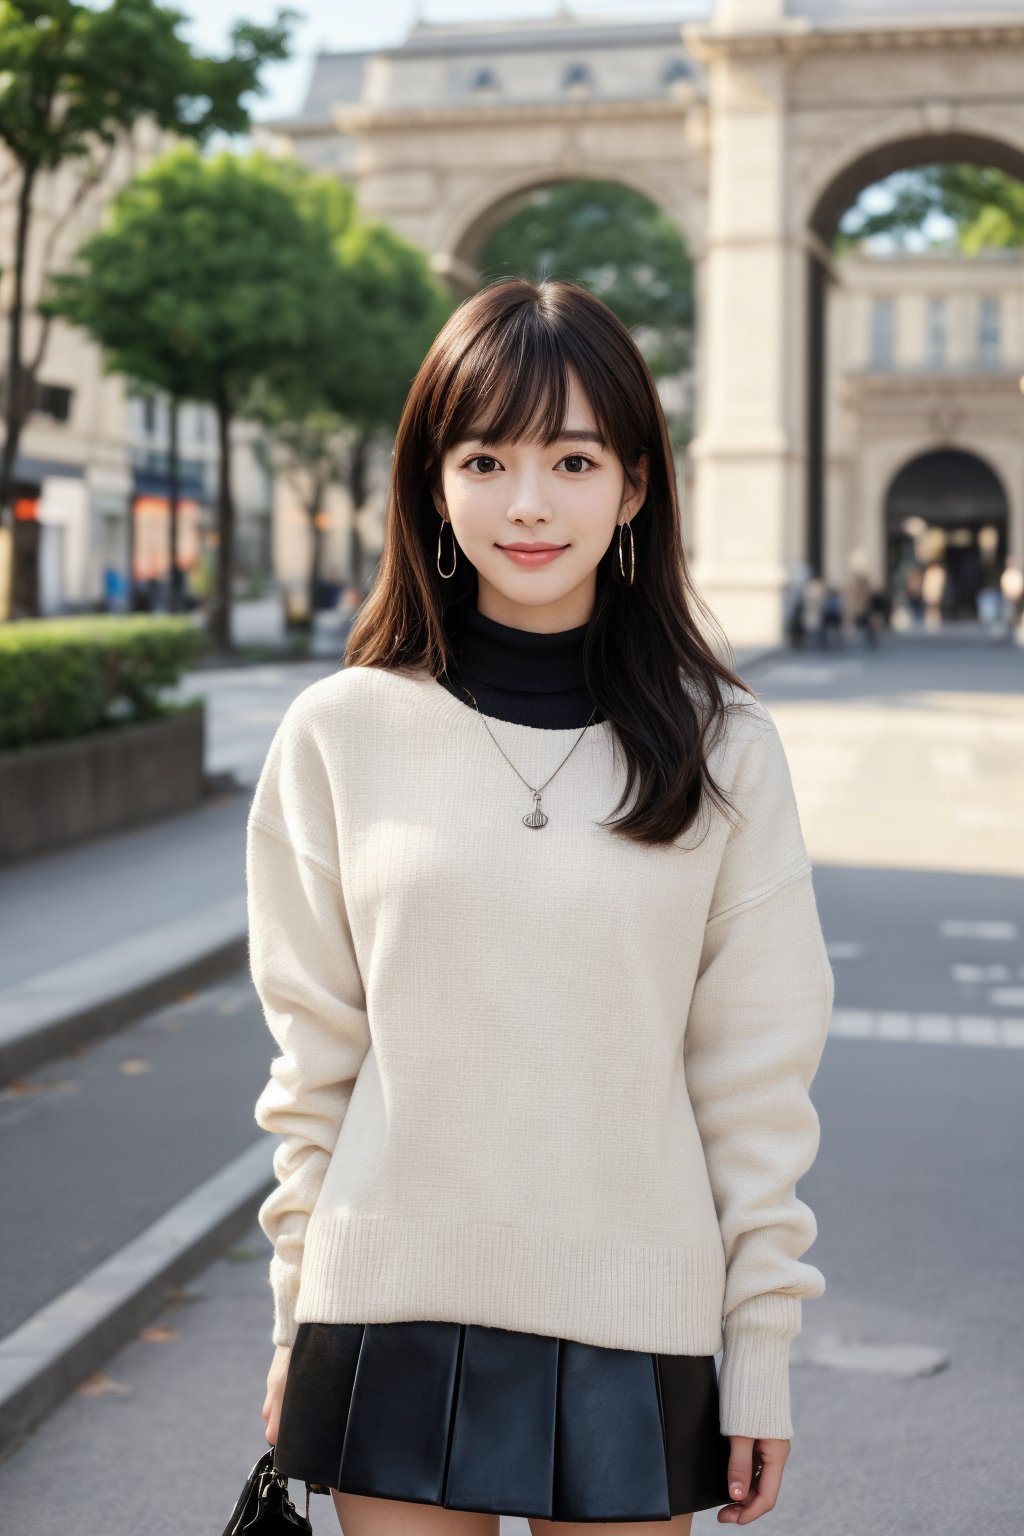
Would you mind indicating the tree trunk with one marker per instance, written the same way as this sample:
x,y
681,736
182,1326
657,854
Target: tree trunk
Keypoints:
x,y
313,508
17,405
131,554
358,472
225,528
173,573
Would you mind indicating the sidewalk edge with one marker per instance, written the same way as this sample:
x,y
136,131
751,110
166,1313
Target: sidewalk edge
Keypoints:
x,y
40,1044
49,1354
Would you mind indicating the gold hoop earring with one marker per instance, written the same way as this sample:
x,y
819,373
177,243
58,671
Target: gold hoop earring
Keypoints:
x,y
455,550
632,553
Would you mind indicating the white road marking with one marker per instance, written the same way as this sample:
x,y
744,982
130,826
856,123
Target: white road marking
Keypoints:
x,y
814,673
978,974
966,928
1007,997
928,1028
893,1359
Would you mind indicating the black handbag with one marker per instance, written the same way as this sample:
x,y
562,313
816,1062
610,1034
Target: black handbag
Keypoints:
x,y
264,1507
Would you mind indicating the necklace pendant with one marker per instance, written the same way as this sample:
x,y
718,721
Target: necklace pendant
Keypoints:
x,y
536,817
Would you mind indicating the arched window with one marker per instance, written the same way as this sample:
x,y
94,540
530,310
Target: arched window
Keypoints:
x,y
577,78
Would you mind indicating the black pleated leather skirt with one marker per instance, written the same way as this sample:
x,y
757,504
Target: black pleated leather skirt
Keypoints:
x,y
476,1418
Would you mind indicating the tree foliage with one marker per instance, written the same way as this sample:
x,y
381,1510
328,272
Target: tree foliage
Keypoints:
x,y
618,244
985,207
75,79
203,278
383,311
207,280
252,285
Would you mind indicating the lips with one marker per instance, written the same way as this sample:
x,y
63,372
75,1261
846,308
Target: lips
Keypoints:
x,y
532,556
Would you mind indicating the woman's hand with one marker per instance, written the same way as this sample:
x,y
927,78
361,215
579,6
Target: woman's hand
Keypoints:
x,y
751,1495
275,1391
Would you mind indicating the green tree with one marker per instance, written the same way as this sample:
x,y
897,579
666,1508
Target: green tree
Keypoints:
x,y
616,242
74,81
984,205
400,307
211,281
383,310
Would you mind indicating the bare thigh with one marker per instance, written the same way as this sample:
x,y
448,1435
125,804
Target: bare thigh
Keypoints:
x,y
679,1525
360,1515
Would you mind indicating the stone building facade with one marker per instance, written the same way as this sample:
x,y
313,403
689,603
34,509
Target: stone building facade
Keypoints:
x,y
91,470
754,124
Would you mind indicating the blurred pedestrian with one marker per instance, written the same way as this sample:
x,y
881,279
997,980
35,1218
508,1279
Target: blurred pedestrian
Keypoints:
x,y
858,599
813,606
794,615
912,592
832,615
878,616
933,590
1011,587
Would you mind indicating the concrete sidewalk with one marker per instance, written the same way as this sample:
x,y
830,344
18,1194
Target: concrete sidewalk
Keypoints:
x,y
97,933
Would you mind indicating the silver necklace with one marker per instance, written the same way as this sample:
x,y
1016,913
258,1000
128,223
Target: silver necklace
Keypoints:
x,y
536,817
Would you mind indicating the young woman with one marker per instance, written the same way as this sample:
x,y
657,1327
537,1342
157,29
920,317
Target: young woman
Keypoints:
x,y
544,1071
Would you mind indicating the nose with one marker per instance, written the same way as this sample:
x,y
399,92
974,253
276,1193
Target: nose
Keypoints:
x,y
527,501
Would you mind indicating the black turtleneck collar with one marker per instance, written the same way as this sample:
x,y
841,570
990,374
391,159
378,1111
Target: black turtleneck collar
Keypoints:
x,y
521,675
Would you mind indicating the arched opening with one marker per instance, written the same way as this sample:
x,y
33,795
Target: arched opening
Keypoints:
x,y
458,258
622,244
947,513
867,169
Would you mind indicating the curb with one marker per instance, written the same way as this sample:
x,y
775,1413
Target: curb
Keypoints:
x,y
46,1357
75,1004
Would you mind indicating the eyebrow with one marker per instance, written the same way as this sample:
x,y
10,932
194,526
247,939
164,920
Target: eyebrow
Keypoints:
x,y
584,435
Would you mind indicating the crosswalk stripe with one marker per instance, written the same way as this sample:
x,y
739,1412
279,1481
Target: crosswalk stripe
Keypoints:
x,y
928,1028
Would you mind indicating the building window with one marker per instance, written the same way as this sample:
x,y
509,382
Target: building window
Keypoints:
x,y
936,333
484,81
149,414
675,71
988,332
52,400
881,333
577,79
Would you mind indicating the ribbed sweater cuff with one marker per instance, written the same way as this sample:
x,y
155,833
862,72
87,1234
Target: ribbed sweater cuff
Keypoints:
x,y
754,1379
284,1284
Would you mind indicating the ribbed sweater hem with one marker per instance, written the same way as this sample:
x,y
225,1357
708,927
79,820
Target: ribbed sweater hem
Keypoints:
x,y
659,1297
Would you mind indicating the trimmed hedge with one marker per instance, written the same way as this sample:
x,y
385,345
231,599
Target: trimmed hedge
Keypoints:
x,y
66,677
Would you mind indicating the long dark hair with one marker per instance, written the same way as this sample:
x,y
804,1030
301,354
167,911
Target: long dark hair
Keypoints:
x,y
501,363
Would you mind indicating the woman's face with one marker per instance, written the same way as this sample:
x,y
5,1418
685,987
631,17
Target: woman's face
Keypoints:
x,y
504,497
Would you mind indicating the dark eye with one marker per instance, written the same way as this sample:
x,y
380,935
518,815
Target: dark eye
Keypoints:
x,y
575,462
485,460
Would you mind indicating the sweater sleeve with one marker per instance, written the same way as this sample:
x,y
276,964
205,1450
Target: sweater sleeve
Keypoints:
x,y
306,974
755,1034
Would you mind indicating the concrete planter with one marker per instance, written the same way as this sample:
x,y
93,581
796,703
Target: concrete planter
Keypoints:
x,y
59,792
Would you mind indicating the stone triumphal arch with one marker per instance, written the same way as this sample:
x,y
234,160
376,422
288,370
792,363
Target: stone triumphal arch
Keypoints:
x,y
754,128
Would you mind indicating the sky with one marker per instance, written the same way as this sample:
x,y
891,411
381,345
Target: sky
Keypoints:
x,y
343,24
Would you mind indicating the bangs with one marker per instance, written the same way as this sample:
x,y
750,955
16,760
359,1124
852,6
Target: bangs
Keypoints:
x,y
509,384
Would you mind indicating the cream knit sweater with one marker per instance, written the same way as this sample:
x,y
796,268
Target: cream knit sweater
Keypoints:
x,y
548,1080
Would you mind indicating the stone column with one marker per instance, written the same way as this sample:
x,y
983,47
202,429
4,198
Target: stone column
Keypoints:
x,y
750,448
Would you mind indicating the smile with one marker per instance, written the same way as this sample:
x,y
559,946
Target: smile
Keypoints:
x,y
531,557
